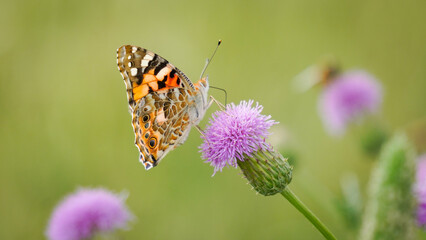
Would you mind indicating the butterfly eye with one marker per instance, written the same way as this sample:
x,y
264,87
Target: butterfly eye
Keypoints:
x,y
145,118
152,142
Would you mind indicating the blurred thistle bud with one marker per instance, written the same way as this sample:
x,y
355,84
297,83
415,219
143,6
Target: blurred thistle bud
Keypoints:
x,y
389,213
236,137
372,139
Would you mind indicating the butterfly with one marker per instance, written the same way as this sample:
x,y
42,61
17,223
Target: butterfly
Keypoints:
x,y
322,73
163,102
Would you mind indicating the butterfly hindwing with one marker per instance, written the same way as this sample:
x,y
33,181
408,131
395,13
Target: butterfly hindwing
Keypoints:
x,y
161,122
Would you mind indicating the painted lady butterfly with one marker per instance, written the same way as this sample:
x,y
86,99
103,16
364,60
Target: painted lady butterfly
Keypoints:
x,y
163,101
321,73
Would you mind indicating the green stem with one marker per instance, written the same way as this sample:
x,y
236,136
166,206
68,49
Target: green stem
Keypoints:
x,y
295,201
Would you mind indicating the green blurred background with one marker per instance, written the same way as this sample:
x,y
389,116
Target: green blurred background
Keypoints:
x,y
65,123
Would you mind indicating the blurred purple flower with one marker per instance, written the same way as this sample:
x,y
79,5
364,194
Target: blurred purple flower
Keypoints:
x,y
420,189
87,212
239,130
348,98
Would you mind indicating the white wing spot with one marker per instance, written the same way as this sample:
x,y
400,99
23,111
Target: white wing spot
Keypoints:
x,y
134,71
148,57
160,75
144,63
129,57
130,64
134,49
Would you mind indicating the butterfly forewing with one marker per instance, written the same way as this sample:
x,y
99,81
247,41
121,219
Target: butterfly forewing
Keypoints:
x,y
144,72
162,101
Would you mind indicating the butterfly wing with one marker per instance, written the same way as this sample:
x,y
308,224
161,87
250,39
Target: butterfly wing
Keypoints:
x,y
145,72
162,101
161,123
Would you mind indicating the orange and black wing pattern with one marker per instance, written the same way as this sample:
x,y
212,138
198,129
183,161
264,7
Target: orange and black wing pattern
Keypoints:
x,y
145,72
159,97
161,123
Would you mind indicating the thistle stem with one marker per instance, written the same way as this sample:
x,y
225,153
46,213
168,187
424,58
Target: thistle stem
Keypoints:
x,y
299,205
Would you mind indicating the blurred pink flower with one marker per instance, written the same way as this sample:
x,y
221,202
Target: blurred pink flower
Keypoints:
x,y
420,190
87,212
349,98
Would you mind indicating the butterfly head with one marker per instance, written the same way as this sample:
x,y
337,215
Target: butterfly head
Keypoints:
x,y
202,87
203,83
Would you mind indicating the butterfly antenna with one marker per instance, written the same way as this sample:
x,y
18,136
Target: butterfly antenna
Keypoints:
x,y
210,59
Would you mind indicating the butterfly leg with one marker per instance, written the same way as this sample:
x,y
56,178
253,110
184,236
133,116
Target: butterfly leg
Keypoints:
x,y
199,130
219,104
202,133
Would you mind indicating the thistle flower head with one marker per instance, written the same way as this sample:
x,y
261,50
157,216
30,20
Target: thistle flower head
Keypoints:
x,y
87,212
239,130
349,98
237,137
420,190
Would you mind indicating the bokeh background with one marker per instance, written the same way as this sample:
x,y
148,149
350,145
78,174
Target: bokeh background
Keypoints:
x,y
65,123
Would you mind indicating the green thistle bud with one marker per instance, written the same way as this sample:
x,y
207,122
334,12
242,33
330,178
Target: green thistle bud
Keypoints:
x,y
267,171
372,140
390,211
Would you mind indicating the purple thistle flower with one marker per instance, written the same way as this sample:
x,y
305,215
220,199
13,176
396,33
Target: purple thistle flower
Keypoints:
x,y
86,212
349,98
239,130
237,137
420,189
